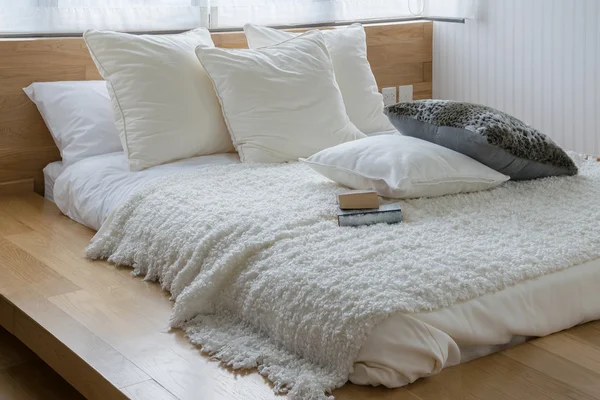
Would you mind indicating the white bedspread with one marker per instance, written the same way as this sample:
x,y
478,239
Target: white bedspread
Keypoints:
x,y
261,265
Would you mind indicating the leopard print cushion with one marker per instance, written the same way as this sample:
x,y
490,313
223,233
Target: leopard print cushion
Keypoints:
x,y
498,128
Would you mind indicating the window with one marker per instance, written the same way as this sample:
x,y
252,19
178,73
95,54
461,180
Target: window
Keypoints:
x,y
75,16
31,17
233,13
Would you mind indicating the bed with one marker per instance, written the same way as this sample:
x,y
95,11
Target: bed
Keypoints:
x,y
406,346
398,350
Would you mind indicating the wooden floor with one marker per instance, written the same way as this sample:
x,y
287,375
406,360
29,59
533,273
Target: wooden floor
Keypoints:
x,y
24,376
106,333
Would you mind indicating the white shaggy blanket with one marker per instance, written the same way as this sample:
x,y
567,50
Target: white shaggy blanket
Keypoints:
x,y
263,277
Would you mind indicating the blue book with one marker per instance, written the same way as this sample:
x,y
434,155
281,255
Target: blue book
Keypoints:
x,y
387,213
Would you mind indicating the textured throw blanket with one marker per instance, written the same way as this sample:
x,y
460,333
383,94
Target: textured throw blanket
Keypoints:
x,y
263,277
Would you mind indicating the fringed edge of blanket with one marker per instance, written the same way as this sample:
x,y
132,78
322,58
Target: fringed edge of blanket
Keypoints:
x,y
239,346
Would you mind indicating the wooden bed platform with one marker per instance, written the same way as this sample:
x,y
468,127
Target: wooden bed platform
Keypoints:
x,y
106,332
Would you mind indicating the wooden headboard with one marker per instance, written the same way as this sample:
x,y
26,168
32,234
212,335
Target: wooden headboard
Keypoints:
x,y
400,54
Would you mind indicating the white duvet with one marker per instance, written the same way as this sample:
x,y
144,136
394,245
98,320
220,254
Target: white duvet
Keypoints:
x,y
263,277
89,190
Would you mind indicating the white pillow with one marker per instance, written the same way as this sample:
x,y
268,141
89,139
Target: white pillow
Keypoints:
x,y
403,167
348,49
281,102
165,105
79,117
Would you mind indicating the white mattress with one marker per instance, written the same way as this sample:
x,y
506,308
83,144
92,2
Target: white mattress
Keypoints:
x,y
51,173
405,347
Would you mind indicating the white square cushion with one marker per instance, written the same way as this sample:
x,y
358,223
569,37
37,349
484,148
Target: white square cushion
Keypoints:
x,y
348,50
79,117
164,103
280,102
403,167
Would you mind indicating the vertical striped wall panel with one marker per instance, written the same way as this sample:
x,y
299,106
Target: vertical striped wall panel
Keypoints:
x,y
538,60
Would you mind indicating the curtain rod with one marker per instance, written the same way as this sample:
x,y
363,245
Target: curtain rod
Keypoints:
x,y
225,30
445,19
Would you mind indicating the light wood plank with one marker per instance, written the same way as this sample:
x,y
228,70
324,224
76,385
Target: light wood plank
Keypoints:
x,y
16,187
588,334
464,382
522,382
394,34
105,279
571,348
10,225
156,349
428,32
395,74
22,119
24,376
422,91
11,390
418,51
230,40
20,268
17,77
87,362
12,352
149,390
427,72
558,368
35,380
7,315
354,392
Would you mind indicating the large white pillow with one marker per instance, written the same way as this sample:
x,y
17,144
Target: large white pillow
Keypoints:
x,y
164,103
403,167
280,102
348,49
79,116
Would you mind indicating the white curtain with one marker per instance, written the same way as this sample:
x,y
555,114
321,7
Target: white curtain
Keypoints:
x,y
234,13
75,16
450,8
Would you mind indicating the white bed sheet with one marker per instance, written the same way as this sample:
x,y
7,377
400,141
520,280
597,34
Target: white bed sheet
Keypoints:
x,y
51,172
90,189
404,347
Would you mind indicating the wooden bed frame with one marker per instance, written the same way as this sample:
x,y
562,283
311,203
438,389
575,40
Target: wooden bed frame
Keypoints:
x,y
106,333
400,54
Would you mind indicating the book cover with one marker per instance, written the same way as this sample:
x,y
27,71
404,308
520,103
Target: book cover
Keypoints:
x,y
387,213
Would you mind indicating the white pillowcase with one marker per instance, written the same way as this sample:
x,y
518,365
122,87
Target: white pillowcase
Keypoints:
x,y
79,117
164,102
281,102
403,167
348,49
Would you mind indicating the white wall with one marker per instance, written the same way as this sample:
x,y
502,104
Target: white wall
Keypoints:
x,y
538,60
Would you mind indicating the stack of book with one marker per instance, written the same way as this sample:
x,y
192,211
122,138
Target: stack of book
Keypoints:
x,y
362,208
